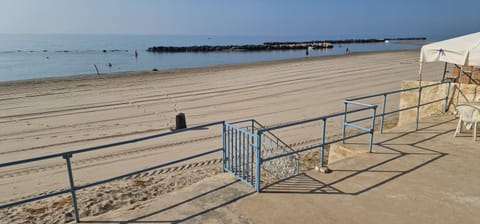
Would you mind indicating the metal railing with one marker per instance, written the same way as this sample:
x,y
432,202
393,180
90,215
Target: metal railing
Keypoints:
x,y
252,138
240,152
68,155
385,95
285,153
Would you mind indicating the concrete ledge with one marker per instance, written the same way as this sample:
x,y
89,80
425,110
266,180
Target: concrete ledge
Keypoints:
x,y
341,151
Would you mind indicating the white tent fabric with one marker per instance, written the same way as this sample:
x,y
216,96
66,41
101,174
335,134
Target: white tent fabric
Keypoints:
x,y
463,50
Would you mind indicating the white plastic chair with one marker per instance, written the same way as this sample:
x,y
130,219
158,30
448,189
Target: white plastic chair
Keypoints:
x,y
468,115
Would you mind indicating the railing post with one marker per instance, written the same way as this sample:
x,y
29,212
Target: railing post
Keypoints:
x,y
322,153
224,149
258,161
253,126
446,98
344,121
382,122
72,186
372,129
444,71
418,108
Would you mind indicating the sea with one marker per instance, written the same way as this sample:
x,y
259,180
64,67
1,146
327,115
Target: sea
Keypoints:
x,y
31,56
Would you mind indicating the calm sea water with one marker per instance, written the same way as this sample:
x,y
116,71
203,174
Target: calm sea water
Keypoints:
x,y
28,56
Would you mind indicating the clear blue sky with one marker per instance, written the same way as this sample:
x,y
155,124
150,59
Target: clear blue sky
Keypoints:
x,y
365,18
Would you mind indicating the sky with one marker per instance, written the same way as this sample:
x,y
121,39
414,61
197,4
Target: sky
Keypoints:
x,y
336,18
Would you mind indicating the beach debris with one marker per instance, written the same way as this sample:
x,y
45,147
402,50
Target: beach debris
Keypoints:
x,y
155,70
323,169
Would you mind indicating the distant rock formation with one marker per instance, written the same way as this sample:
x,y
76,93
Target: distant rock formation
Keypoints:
x,y
248,47
270,46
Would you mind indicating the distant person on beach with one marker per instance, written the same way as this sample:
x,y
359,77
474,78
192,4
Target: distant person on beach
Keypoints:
x,y
136,54
306,52
347,51
109,65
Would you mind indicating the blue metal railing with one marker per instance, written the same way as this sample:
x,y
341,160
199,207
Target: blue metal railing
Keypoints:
x,y
385,95
324,119
251,141
346,123
239,152
68,155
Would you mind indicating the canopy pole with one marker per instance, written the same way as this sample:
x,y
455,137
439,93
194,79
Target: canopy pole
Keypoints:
x,y
459,83
420,70
444,72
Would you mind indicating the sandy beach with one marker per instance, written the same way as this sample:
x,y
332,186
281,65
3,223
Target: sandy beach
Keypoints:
x,y
45,116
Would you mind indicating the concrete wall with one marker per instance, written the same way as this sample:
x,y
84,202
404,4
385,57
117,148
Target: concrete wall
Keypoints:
x,y
468,92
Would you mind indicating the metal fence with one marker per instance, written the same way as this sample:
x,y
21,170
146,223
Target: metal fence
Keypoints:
x,y
291,156
272,148
247,146
240,154
68,155
385,95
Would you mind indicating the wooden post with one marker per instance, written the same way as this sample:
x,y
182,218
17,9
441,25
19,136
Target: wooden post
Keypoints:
x,y
96,68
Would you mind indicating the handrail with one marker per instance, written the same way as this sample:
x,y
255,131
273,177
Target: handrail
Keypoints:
x,y
324,126
68,154
79,187
395,91
313,119
346,123
106,145
386,94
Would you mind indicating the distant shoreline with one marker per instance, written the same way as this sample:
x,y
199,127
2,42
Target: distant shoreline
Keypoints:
x,y
123,74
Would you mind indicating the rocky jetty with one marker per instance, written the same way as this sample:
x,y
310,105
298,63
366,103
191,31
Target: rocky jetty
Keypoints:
x,y
249,47
270,46
350,41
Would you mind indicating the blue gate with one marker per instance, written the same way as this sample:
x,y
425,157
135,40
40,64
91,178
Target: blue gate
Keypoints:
x,y
241,154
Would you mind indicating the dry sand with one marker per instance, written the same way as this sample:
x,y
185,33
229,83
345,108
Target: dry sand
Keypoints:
x,y
39,117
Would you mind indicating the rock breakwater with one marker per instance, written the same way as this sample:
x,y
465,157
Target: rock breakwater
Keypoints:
x,y
248,47
270,46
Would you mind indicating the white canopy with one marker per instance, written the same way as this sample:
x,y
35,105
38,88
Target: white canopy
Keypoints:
x,y
463,50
